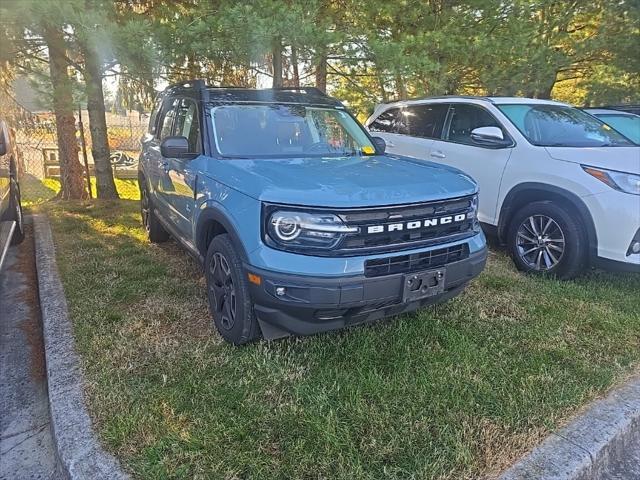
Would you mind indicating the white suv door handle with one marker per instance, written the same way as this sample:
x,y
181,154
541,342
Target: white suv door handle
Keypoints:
x,y
437,154
390,144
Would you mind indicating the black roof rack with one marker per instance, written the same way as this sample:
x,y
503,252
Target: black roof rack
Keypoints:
x,y
230,94
195,85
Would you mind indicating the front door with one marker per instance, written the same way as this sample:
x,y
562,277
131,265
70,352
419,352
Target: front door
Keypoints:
x,y
484,164
178,187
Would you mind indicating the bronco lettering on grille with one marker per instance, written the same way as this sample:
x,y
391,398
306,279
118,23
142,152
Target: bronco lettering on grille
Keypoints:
x,y
417,224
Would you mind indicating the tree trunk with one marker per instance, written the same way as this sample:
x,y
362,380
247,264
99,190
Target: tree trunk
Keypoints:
x,y
321,70
72,183
401,89
545,91
277,63
294,64
105,186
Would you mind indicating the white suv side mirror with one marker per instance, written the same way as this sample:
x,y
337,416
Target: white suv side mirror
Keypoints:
x,y
487,133
490,137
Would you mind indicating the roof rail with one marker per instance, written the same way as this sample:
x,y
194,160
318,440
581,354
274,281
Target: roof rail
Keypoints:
x,y
197,84
444,97
314,90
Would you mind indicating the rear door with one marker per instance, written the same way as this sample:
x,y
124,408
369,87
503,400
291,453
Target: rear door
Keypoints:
x,y
410,130
485,164
419,125
385,126
178,187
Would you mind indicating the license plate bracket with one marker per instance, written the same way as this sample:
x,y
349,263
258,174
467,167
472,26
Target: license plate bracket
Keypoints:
x,y
417,286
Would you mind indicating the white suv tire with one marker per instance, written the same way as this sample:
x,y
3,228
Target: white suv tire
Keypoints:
x,y
544,238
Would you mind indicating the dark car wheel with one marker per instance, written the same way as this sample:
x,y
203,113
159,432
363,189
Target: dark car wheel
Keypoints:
x,y
155,231
228,293
544,238
17,216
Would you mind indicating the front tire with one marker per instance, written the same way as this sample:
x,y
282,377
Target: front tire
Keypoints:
x,y
228,293
155,231
544,238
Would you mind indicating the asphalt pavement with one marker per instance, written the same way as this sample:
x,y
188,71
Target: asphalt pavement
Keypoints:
x,y
26,445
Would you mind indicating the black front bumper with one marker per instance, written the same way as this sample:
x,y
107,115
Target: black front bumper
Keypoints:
x,y
312,305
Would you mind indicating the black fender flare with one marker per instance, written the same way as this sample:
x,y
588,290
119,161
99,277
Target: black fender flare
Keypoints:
x,y
507,210
212,213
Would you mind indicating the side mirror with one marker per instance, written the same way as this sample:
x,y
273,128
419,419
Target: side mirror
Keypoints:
x,y
489,136
3,141
379,143
176,147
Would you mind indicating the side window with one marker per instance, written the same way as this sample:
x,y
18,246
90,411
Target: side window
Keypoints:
x,y
424,121
166,123
153,118
187,124
464,119
385,122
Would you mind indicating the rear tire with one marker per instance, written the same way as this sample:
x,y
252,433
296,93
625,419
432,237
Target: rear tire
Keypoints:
x,y
17,215
228,293
544,238
155,231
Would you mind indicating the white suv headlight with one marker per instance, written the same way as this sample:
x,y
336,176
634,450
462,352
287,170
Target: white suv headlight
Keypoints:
x,y
625,182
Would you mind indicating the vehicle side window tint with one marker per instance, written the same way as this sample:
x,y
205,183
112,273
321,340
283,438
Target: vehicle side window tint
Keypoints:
x,y
385,122
424,121
187,124
466,118
153,118
167,123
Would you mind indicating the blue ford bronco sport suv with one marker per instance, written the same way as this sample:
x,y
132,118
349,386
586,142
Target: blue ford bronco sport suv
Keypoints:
x,y
302,223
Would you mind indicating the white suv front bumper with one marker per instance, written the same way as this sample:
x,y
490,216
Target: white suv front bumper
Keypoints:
x,y
616,216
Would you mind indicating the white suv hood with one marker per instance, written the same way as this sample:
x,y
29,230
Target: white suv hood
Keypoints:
x,y
622,159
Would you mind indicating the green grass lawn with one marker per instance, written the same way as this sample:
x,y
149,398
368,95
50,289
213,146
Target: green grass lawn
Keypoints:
x,y
455,391
35,191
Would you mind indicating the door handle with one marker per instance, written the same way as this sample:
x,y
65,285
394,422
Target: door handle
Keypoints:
x,y
437,154
391,144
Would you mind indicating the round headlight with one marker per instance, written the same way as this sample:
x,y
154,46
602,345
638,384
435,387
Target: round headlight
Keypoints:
x,y
286,228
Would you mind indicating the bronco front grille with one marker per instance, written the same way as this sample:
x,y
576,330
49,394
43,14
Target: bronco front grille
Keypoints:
x,y
377,233
415,262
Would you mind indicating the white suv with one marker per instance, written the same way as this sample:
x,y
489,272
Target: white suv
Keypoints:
x,y
558,186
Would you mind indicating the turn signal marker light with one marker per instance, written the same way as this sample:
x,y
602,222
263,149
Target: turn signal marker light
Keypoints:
x,y
255,279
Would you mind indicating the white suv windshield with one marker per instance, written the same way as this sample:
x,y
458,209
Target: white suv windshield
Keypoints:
x,y
561,126
270,131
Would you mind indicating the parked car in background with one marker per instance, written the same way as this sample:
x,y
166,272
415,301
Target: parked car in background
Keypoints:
x,y
629,108
626,123
558,186
11,220
303,224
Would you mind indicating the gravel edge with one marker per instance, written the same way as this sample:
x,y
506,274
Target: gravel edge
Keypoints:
x,y
79,451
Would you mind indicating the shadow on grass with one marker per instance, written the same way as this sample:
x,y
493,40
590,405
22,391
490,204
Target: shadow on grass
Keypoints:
x,y
35,191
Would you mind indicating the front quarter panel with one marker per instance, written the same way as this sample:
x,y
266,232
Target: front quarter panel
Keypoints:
x,y
237,212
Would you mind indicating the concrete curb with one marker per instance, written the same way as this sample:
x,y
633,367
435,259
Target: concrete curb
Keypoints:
x,y
588,446
78,449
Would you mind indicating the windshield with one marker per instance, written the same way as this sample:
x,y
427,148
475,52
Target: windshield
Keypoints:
x,y
561,126
627,125
269,131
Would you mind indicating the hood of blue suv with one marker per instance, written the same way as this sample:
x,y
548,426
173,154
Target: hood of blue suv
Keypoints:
x,y
342,182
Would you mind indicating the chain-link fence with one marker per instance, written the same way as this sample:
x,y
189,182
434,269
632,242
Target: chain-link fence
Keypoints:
x,y
37,150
